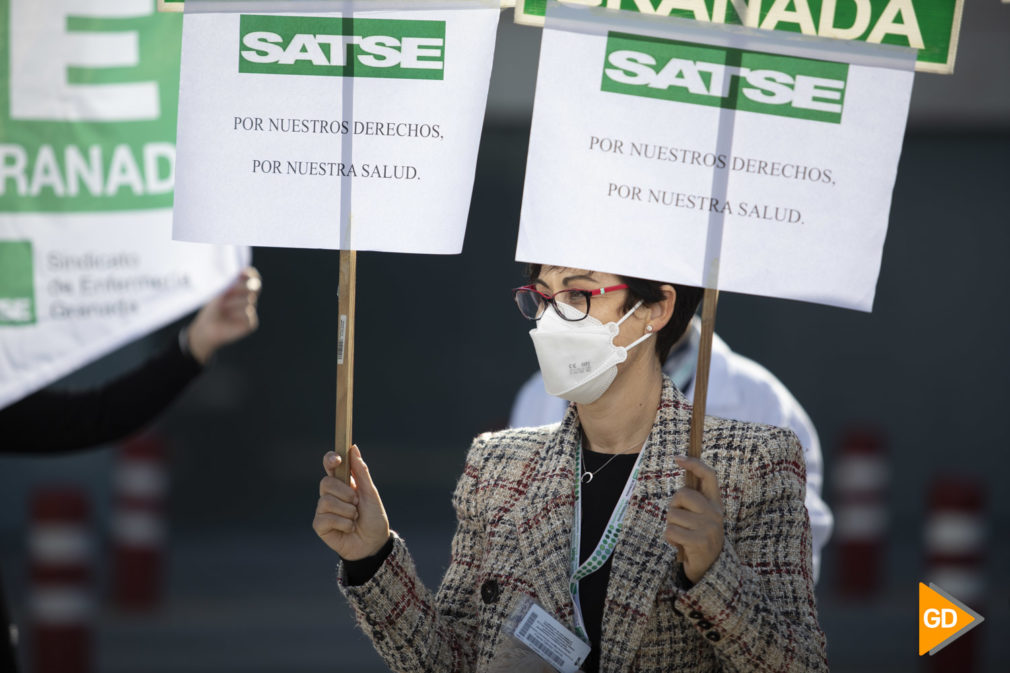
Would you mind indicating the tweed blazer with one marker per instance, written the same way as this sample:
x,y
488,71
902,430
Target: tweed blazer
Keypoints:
x,y
753,610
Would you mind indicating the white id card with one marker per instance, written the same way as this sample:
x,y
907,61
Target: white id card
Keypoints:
x,y
549,638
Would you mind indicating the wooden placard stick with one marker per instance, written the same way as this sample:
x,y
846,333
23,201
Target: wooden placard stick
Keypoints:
x,y
346,291
709,302
171,5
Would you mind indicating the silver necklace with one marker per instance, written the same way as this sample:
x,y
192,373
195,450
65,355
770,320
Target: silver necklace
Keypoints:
x,y
587,476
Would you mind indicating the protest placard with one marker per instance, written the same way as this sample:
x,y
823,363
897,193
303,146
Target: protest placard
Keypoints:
x,y
180,5
284,116
87,165
931,26
787,147
87,149
349,125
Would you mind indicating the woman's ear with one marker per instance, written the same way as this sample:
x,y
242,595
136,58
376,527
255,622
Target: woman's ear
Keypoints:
x,y
662,310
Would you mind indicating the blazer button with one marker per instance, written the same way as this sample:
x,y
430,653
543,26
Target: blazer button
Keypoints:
x,y
676,610
713,636
694,614
490,591
704,625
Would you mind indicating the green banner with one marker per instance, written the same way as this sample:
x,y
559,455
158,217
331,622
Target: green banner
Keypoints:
x,y
931,26
90,129
338,47
730,78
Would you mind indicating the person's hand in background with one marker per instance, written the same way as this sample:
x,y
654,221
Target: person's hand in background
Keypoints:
x,y
228,317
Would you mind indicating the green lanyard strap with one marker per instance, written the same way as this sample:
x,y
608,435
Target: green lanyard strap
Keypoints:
x,y
608,541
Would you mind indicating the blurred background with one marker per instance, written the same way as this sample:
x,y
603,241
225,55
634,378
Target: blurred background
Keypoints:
x,y
913,395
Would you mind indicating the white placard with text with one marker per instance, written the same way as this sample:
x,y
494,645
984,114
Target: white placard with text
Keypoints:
x,y
352,131
689,152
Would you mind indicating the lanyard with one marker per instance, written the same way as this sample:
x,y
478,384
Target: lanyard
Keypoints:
x,y
605,547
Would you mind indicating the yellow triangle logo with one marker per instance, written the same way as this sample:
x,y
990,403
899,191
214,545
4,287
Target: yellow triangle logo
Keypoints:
x,y
942,619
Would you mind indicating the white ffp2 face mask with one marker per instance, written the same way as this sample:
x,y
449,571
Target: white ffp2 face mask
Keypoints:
x,y
578,359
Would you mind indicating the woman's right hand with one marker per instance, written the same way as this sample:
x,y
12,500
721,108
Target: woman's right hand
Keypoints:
x,y
350,518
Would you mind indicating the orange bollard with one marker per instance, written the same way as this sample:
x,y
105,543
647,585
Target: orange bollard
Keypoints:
x,y
860,479
138,531
61,598
955,535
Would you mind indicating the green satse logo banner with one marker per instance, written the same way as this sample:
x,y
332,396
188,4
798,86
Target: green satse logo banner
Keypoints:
x,y
337,47
17,283
77,137
750,81
926,25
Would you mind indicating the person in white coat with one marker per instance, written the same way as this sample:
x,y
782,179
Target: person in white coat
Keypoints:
x,y
738,388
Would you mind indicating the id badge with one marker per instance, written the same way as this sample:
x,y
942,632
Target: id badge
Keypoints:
x,y
548,638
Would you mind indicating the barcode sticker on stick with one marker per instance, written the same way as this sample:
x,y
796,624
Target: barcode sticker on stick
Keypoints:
x,y
549,638
341,340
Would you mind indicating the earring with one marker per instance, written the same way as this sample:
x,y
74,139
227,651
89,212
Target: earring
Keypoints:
x,y
648,328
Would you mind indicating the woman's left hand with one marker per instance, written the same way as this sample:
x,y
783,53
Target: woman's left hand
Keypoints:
x,y
694,520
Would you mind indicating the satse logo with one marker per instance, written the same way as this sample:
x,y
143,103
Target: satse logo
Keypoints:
x,y
752,81
393,48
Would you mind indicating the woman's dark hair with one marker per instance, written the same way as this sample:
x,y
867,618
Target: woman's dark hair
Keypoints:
x,y
650,291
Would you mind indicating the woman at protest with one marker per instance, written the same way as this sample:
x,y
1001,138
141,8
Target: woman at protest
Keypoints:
x,y
590,519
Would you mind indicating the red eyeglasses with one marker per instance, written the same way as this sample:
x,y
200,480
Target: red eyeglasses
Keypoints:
x,y
532,302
